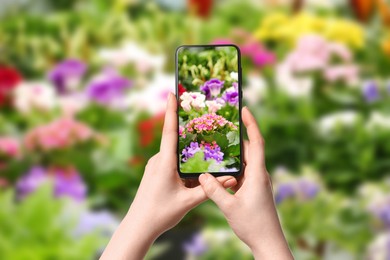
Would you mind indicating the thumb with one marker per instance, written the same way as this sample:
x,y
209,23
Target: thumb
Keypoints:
x,y
215,191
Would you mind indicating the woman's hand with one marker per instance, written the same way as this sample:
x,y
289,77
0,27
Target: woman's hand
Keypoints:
x,y
162,199
251,211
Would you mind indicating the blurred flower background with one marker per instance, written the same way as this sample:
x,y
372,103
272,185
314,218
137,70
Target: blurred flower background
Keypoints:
x,y
83,86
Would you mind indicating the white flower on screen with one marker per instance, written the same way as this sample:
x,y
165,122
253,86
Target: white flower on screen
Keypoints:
x,y
292,85
329,122
234,75
38,96
192,100
215,105
153,97
132,52
378,120
255,89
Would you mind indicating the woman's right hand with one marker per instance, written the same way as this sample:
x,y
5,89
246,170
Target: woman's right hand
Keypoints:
x,y
251,210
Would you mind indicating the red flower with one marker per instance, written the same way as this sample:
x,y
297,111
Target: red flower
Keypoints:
x,y
181,89
201,8
148,127
9,78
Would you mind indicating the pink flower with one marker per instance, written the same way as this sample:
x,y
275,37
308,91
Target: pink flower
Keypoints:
x,y
60,134
9,147
209,122
348,73
182,131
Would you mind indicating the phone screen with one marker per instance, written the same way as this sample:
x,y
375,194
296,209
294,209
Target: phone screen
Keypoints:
x,y
209,103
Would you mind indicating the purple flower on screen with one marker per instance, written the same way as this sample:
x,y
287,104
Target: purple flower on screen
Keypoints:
x,y
212,88
66,182
67,74
370,91
107,88
231,95
190,151
196,246
212,151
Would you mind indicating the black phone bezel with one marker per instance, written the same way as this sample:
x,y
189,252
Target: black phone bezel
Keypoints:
x,y
195,175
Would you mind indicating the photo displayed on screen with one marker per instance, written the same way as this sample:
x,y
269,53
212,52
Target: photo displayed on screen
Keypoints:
x,y
209,129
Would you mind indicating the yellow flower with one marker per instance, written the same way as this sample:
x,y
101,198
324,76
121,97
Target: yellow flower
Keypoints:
x,y
386,46
288,29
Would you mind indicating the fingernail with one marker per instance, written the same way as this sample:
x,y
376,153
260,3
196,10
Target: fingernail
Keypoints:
x,y
229,183
203,177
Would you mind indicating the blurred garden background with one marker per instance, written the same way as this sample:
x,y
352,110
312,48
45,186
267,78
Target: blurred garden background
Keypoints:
x,y
83,86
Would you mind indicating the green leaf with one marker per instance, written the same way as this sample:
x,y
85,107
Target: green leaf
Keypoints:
x,y
233,137
195,164
233,150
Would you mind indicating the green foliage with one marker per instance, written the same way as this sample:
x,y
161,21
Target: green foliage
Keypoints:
x,y
34,229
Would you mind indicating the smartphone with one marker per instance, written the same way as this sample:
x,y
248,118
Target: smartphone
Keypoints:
x,y
209,96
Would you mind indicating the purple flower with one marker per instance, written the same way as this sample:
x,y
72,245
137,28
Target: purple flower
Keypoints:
x,y
213,152
381,210
212,88
370,91
284,191
67,74
231,95
66,182
107,88
196,246
308,189
102,221
31,181
190,151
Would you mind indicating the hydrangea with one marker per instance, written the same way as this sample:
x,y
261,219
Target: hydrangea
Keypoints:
x,y
211,151
231,95
209,123
192,100
66,182
212,88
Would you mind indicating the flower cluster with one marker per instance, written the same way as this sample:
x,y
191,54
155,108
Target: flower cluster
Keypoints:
x,y
208,123
66,182
211,151
9,147
192,100
288,186
60,134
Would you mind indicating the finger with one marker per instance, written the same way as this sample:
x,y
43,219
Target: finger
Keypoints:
x,y
256,143
227,181
215,191
194,196
169,135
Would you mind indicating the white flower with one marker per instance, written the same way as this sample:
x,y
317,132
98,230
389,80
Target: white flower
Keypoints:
x,y
72,104
345,118
293,86
153,97
193,100
255,89
378,120
379,248
30,96
234,75
215,105
133,53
